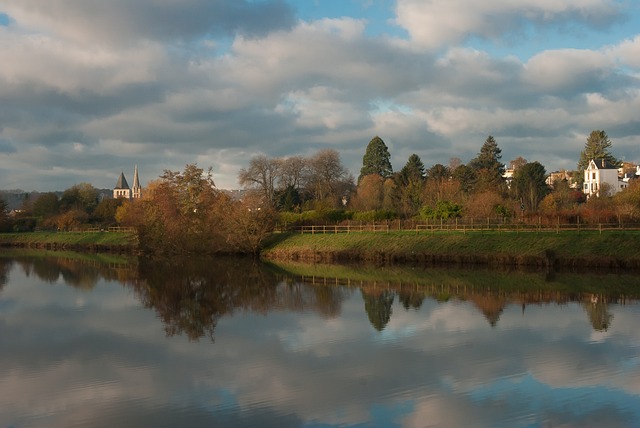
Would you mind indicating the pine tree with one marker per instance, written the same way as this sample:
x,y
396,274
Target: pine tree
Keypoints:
x,y
597,148
413,170
489,157
487,166
376,159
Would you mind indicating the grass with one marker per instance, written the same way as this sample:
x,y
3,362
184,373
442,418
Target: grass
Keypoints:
x,y
70,239
608,249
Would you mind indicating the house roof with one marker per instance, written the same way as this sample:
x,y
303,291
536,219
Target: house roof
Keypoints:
x,y
603,164
122,182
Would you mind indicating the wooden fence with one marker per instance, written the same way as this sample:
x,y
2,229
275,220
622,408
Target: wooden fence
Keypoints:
x,y
462,227
93,229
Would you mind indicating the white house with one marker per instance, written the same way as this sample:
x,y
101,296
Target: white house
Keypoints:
x,y
601,173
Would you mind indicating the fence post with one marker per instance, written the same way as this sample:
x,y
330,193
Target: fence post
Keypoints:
x,y
600,228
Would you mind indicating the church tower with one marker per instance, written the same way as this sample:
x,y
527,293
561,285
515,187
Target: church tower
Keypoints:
x,y
122,188
136,190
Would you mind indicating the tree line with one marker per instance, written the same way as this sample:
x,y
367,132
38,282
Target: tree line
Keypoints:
x,y
477,189
184,212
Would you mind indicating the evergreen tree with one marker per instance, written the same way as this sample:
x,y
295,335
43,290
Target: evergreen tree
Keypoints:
x,y
489,157
413,171
596,147
488,167
410,183
376,159
529,184
438,172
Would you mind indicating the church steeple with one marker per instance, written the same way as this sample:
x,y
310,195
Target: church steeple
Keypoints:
x,y
122,188
136,190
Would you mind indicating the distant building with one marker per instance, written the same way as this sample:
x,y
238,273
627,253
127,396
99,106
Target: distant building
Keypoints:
x,y
122,189
563,175
599,175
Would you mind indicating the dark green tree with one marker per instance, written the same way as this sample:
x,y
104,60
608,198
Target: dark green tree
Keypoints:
x,y
438,172
466,176
105,212
288,199
597,147
376,159
410,183
46,205
529,184
81,196
413,170
5,221
488,167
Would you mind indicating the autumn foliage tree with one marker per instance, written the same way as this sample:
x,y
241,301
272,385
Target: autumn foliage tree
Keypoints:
x,y
182,212
370,193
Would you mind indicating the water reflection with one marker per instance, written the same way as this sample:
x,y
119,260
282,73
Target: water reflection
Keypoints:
x,y
191,295
308,346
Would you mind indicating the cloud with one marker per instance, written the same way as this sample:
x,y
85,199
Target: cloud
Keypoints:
x,y
568,71
210,81
440,23
120,21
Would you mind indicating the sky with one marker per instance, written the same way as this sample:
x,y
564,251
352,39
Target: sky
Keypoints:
x,y
90,88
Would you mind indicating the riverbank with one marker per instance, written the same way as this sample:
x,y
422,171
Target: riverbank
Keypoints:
x,y
117,242
612,249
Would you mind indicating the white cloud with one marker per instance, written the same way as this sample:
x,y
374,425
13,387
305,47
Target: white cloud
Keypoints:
x,y
299,86
567,70
627,53
118,22
438,23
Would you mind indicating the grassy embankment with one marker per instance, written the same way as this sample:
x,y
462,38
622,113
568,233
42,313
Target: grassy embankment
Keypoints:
x,y
619,249
585,249
83,241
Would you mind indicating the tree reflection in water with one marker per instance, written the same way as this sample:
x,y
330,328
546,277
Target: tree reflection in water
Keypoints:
x,y
379,306
192,295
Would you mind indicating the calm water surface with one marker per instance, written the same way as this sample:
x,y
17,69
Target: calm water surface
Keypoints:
x,y
102,342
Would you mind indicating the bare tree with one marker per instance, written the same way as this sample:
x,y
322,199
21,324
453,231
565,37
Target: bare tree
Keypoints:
x,y
328,179
293,171
262,174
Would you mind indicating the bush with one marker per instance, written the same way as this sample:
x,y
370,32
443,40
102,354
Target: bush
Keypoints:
x,y
374,215
443,210
312,217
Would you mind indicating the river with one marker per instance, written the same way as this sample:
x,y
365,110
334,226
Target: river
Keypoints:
x,y
104,341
